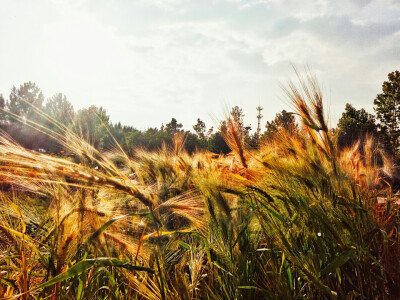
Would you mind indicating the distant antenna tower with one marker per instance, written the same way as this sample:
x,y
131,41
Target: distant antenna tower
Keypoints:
x,y
259,117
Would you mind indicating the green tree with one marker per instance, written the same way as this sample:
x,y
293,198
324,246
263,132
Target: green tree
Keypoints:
x,y
173,127
23,103
354,125
23,100
59,108
150,139
200,128
387,108
283,120
217,144
93,123
238,119
193,142
3,114
202,135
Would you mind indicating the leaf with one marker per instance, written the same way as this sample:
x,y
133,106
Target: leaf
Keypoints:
x,y
84,265
266,250
352,205
248,287
262,193
295,217
289,275
164,233
184,245
79,293
275,214
339,276
221,268
109,223
340,260
8,282
283,261
312,126
31,242
17,210
384,235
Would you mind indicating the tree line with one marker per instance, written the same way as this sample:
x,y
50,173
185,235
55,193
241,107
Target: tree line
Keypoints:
x,y
383,125
27,104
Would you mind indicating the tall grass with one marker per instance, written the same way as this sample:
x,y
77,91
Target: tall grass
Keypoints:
x,y
292,220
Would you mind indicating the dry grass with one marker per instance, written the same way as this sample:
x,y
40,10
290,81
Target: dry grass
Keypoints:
x,y
293,219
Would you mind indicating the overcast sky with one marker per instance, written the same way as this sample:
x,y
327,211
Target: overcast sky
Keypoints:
x,y
146,61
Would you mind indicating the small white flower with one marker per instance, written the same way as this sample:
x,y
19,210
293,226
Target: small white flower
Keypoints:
x,y
319,234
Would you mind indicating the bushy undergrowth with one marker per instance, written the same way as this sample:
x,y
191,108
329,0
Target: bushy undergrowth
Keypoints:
x,y
295,219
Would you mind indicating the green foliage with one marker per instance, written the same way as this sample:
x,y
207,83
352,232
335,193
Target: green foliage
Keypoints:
x,y
93,123
283,120
62,112
86,264
203,136
173,127
151,139
237,116
23,100
387,108
217,144
3,115
59,108
200,129
355,125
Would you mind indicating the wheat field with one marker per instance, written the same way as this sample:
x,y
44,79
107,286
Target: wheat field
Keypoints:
x,y
296,218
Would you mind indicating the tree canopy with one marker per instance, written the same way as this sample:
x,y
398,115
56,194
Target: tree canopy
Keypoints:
x,y
94,124
387,108
354,125
283,120
23,100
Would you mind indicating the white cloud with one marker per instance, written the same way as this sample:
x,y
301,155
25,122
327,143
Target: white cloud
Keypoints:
x,y
149,61
167,5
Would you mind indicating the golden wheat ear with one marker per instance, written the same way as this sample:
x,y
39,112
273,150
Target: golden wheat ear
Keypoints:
x,y
234,138
179,143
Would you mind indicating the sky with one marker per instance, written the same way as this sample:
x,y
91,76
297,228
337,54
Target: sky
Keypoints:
x,y
147,61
